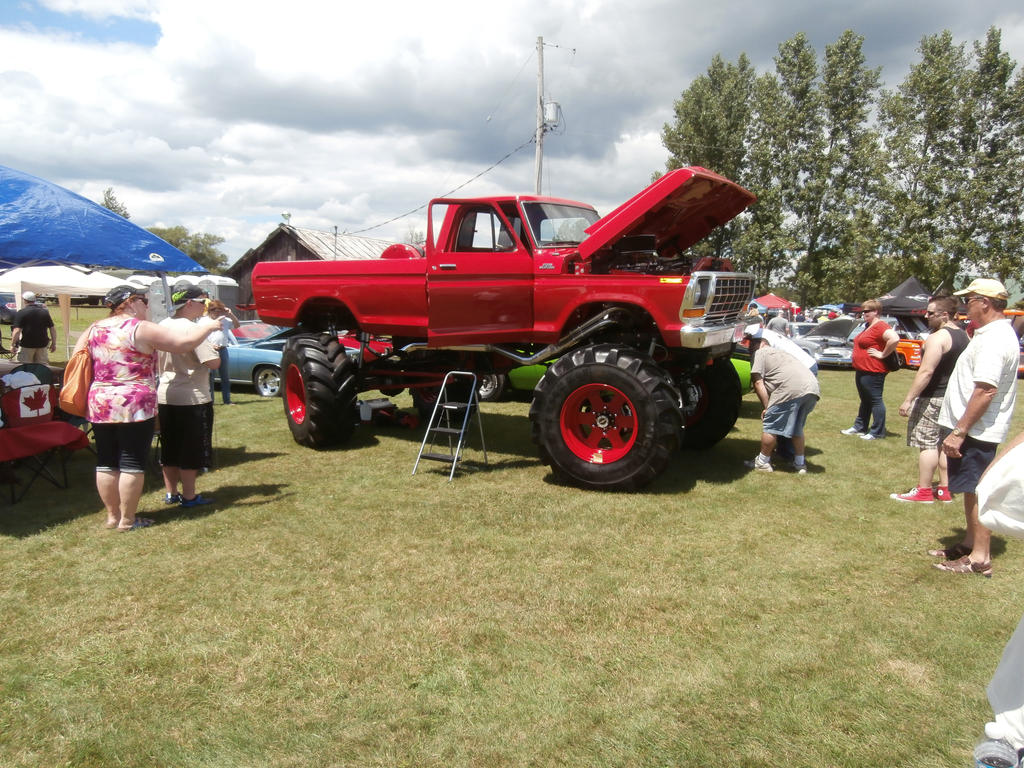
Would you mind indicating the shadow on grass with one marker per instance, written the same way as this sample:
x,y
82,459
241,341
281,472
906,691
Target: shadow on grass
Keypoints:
x,y
226,497
44,505
996,548
510,446
230,456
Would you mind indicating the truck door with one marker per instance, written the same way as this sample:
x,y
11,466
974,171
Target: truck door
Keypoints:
x,y
479,281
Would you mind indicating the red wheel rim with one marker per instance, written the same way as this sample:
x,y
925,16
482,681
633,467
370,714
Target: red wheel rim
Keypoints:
x,y
295,395
598,423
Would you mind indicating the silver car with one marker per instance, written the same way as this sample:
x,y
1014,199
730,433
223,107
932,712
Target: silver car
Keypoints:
x,y
831,342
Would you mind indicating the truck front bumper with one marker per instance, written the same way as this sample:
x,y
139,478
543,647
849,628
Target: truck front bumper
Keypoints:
x,y
701,337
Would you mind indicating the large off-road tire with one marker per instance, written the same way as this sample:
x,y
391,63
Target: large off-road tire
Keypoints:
x,y
606,418
711,403
319,390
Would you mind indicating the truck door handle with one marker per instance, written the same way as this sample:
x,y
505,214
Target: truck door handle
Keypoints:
x,y
447,266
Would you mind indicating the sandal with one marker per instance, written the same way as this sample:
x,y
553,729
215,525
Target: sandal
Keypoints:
x,y
140,522
965,565
951,553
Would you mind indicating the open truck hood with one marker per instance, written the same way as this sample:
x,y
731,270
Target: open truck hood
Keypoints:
x,y
680,209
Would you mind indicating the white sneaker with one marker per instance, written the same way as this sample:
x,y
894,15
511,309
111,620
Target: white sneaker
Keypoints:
x,y
850,431
760,466
801,469
869,436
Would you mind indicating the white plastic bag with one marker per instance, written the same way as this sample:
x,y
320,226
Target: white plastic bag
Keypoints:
x,y
1001,508
1001,495
1006,690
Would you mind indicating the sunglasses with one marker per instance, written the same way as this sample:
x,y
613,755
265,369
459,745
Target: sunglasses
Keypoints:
x,y
143,299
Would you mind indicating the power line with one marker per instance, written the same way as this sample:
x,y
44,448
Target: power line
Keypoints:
x,y
446,194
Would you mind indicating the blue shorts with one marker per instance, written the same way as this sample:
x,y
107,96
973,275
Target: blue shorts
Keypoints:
x,y
975,456
787,419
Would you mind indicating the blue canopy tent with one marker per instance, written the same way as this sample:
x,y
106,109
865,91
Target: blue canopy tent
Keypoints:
x,y
41,222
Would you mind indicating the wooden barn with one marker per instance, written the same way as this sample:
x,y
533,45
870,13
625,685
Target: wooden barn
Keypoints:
x,y
288,243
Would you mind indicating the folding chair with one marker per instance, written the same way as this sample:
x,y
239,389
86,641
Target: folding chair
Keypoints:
x,y
42,372
31,437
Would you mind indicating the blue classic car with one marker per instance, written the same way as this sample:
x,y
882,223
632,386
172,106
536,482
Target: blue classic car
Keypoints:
x,y
256,359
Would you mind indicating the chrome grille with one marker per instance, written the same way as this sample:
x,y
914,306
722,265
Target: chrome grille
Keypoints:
x,y
724,296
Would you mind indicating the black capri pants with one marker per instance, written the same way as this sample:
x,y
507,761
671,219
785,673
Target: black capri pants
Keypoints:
x,y
186,436
123,447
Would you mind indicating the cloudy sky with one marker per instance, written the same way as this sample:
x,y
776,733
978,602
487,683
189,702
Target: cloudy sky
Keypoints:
x,y
222,114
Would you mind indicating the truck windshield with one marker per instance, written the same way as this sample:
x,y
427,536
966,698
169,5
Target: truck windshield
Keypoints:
x,y
556,224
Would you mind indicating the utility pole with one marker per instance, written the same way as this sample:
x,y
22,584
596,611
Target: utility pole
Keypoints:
x,y
539,156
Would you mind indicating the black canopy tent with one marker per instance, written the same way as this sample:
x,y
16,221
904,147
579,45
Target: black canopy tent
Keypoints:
x,y
908,298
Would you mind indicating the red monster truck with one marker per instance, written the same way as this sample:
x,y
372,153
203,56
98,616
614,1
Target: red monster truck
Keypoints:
x,y
641,334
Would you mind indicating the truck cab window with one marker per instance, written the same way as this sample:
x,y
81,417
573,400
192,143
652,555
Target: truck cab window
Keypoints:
x,y
558,224
481,231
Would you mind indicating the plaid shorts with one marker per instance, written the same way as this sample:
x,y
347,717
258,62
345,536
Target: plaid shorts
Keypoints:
x,y
923,426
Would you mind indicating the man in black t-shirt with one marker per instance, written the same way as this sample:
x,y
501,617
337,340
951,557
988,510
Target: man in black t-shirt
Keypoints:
x,y
32,332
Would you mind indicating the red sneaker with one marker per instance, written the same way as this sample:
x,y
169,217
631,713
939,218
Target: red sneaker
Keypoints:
x,y
942,494
922,495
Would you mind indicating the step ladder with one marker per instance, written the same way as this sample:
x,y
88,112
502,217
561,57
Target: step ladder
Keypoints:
x,y
448,423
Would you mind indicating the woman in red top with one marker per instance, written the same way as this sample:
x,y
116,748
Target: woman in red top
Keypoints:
x,y
869,347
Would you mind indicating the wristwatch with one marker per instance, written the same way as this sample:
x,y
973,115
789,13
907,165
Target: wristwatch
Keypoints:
x,y
957,432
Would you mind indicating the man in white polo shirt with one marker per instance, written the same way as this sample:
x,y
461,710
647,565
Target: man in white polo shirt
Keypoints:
x,y
975,416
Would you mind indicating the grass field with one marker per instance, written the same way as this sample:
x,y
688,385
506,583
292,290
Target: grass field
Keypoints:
x,y
333,610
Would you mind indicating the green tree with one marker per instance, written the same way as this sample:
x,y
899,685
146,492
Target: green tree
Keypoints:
x,y
711,121
201,247
414,235
111,203
859,188
765,246
985,214
842,257
955,136
920,127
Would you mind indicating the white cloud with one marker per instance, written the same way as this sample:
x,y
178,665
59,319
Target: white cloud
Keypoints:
x,y
347,114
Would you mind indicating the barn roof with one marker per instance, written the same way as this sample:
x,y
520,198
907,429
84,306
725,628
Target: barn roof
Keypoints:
x,y
333,247
309,244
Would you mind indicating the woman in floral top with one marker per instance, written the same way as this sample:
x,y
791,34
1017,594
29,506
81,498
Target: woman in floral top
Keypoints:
x,y
122,398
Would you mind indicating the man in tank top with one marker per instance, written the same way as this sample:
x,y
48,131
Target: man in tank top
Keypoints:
x,y
924,399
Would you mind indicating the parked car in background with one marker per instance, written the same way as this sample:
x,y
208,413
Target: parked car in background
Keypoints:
x,y
796,330
256,359
831,343
493,386
251,330
8,308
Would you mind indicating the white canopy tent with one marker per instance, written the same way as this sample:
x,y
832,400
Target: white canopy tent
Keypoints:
x,y
57,279
61,281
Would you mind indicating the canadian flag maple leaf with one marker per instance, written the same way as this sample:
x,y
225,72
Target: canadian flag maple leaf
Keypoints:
x,y
37,402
